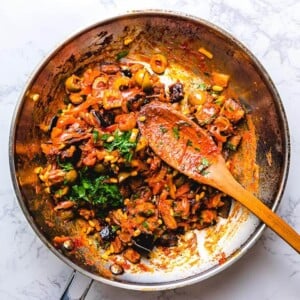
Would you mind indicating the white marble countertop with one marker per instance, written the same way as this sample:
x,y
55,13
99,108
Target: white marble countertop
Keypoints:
x,y
30,29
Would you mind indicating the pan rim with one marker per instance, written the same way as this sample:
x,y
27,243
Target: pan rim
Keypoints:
x,y
251,240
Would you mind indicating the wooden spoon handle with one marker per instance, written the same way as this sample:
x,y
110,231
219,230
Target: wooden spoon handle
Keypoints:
x,y
257,207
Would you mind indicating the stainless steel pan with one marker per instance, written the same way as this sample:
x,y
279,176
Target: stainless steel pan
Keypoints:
x,y
180,35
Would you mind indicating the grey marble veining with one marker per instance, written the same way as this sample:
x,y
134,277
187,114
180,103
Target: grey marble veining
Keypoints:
x,y
30,29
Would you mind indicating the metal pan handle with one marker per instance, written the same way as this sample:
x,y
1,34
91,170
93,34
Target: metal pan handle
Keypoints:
x,y
77,287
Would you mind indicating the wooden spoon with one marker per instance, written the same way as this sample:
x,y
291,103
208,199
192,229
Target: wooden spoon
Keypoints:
x,y
185,146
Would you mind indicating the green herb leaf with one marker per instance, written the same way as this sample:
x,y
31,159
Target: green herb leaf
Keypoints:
x,y
175,130
66,166
189,143
219,101
148,213
105,136
115,228
203,166
122,144
204,173
145,225
97,191
95,135
230,146
205,162
202,87
122,54
163,129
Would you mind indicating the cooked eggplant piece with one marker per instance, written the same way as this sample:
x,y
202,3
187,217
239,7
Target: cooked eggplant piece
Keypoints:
x,y
168,239
176,92
53,122
135,102
224,210
104,120
107,233
232,110
143,243
47,127
71,155
180,230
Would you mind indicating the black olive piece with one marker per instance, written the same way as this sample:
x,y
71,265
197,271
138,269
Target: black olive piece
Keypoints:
x,y
134,103
176,92
180,230
168,239
53,122
65,158
98,116
108,118
76,156
143,243
224,210
104,120
107,234
127,73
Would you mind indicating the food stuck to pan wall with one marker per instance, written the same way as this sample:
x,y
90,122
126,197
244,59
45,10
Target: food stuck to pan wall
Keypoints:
x,y
105,180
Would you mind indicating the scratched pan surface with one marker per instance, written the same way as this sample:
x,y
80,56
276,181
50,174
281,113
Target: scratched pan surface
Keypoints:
x,y
201,254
